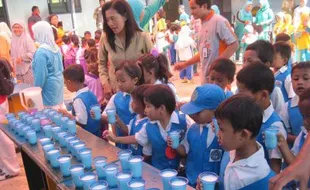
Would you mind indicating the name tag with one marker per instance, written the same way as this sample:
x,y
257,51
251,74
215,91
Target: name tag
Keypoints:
x,y
205,52
215,155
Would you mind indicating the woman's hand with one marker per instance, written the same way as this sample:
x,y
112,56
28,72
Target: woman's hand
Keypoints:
x,y
107,90
179,66
109,135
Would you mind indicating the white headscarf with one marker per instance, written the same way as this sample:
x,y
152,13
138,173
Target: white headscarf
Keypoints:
x,y
43,34
5,31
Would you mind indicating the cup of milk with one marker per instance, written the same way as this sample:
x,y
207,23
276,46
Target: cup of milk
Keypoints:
x,y
124,156
87,179
100,162
99,185
52,155
136,166
208,180
136,184
123,178
271,139
178,183
110,170
76,171
86,157
65,164
32,137
166,176
175,139
111,116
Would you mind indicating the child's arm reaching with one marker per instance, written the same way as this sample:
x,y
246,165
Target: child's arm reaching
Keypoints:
x,y
121,125
285,150
122,140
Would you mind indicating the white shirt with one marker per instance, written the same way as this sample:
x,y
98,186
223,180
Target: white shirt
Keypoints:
x,y
172,87
284,112
80,55
210,137
138,120
296,148
244,172
277,99
111,104
274,153
287,82
80,108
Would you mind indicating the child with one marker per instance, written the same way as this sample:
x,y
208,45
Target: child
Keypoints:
x,y
162,120
160,30
65,49
83,101
290,112
128,76
222,73
75,39
156,71
87,35
91,44
200,144
239,119
282,71
98,34
278,27
249,37
302,38
184,47
287,39
136,124
92,79
257,81
257,52
80,59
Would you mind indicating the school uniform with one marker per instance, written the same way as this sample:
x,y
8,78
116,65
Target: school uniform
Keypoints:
x,y
291,116
228,94
284,82
277,99
152,133
271,119
203,151
121,103
135,125
252,173
82,104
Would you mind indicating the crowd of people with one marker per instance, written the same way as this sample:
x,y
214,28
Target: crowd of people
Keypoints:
x,y
121,67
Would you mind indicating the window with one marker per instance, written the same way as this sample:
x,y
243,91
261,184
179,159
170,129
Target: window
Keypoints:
x,y
63,6
3,13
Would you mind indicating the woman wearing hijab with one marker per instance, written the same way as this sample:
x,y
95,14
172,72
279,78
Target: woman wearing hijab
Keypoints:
x,y
216,9
264,19
22,50
243,18
47,66
5,40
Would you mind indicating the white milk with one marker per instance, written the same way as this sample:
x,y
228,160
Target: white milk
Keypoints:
x,y
168,174
52,151
79,145
63,159
178,183
84,152
135,160
88,177
98,187
123,176
124,154
100,161
137,184
76,169
111,168
209,178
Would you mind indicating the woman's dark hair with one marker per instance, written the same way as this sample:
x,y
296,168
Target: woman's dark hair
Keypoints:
x,y
160,94
159,64
138,93
66,39
49,18
132,69
301,65
242,112
131,26
6,83
74,73
91,55
75,40
224,66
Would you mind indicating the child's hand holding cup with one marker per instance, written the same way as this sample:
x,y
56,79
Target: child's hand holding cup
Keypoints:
x,y
95,112
111,116
271,140
174,136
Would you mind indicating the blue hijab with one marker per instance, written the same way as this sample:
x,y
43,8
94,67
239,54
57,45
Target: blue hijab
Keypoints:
x,y
243,12
216,9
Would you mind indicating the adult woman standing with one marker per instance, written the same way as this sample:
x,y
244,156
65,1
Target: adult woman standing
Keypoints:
x,y
47,66
58,33
5,40
22,50
122,40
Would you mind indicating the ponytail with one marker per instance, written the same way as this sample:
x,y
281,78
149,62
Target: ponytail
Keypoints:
x,y
163,73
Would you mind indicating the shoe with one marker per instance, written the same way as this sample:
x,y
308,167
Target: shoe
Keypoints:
x,y
4,176
183,81
191,81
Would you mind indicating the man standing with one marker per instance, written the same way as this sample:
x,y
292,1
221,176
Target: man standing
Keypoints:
x,y
98,15
216,38
35,17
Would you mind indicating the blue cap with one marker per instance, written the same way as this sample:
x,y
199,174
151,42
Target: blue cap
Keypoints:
x,y
206,97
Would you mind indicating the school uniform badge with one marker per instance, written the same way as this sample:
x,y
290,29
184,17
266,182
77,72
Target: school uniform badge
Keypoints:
x,y
215,155
278,83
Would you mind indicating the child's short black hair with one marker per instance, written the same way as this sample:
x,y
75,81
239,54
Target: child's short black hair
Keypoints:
x,y
284,49
282,37
138,93
160,94
263,49
305,95
242,112
224,66
34,8
87,32
98,34
74,73
257,77
91,55
91,43
301,65
66,39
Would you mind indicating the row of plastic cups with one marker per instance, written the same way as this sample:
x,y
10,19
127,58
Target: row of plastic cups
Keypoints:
x,y
131,163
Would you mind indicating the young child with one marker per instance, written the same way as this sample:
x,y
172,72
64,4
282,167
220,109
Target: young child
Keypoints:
x,y
91,44
257,81
257,52
249,37
302,38
65,51
200,144
80,59
92,79
83,101
290,112
287,39
278,27
162,120
289,155
282,71
136,124
244,167
87,35
222,73
98,34
156,71
128,76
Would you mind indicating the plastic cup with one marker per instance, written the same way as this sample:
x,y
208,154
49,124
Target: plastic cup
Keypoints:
x,y
9,115
46,148
136,184
36,125
68,138
99,185
271,139
175,139
97,111
86,157
178,183
51,114
71,126
111,116
48,131
32,137
45,140
71,142
55,130
77,147
18,128
24,130
21,114
46,111
64,164
87,179
124,156
100,162
12,123
25,117
110,170
76,172
64,122
135,165
29,120
123,178
166,176
208,180
57,119
52,155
